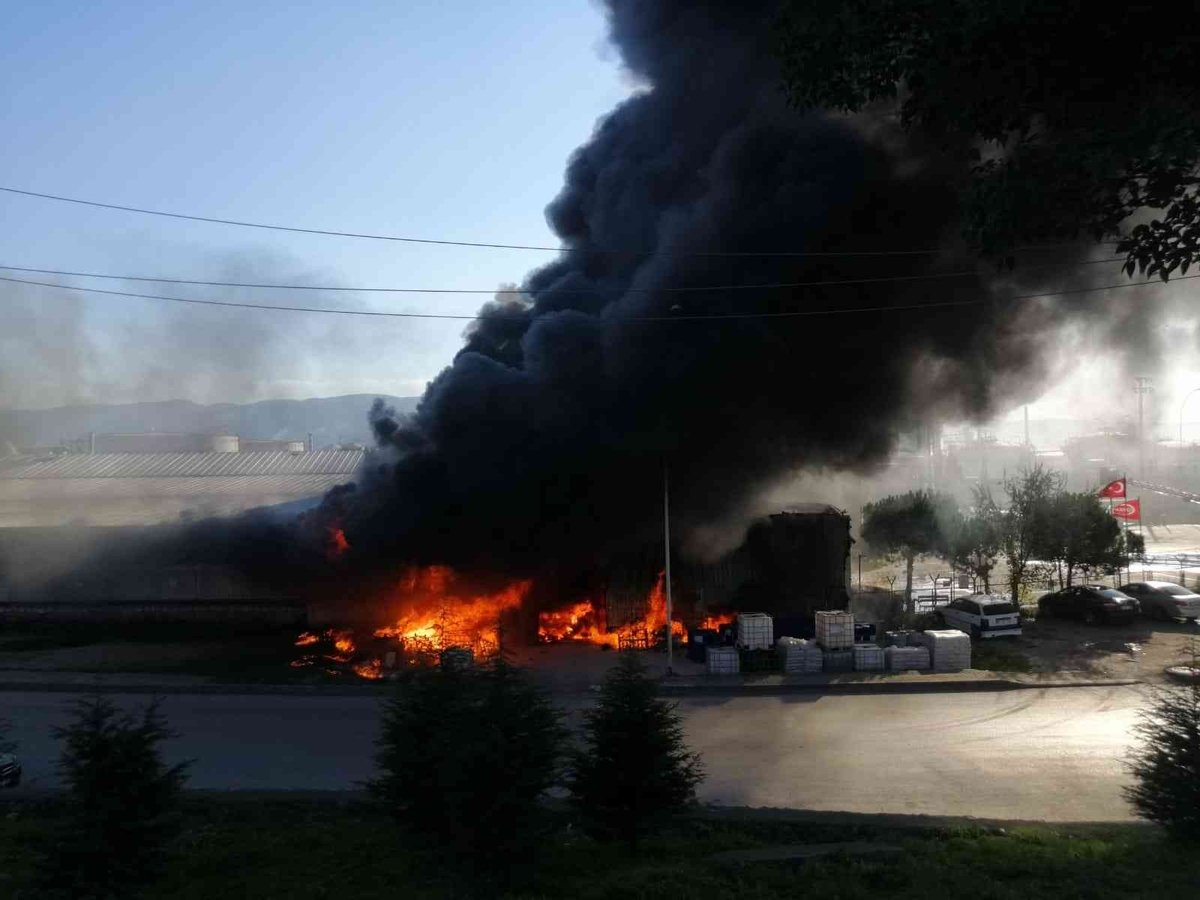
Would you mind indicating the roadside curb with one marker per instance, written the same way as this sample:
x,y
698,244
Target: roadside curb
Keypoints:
x,y
962,685
714,688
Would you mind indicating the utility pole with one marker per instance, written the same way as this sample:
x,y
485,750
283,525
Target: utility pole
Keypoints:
x,y
667,565
1142,387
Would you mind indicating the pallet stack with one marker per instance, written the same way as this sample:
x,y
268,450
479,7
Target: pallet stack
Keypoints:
x,y
835,629
839,660
798,656
868,658
722,661
949,651
903,659
755,631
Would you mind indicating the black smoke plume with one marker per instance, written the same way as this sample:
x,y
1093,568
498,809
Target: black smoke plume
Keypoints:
x,y
545,442
548,435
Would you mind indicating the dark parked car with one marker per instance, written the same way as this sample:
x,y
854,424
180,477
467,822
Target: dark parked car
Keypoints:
x,y
10,770
1092,604
1164,600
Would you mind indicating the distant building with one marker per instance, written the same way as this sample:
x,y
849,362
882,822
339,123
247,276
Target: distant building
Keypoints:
x,y
148,488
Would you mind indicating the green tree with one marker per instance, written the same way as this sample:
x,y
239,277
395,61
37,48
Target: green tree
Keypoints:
x,y
975,541
122,803
1166,764
1082,537
1071,117
906,526
634,768
464,759
1024,524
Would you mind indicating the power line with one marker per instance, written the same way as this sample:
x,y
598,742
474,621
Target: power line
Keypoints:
x,y
883,279
667,318
449,243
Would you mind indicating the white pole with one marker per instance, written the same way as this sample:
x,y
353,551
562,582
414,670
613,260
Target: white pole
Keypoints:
x,y
667,565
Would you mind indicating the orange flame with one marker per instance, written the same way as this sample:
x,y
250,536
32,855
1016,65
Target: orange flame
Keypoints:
x,y
585,621
441,612
372,669
336,544
306,638
716,621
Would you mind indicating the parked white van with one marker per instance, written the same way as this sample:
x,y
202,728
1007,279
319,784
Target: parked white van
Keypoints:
x,y
983,616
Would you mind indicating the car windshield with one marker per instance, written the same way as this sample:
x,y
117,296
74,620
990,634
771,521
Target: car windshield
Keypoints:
x,y
1114,595
1176,591
999,609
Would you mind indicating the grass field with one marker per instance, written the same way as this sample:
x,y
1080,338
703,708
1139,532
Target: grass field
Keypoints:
x,y
306,847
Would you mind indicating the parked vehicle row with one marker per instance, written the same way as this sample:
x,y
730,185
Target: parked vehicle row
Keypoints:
x,y
995,615
1091,604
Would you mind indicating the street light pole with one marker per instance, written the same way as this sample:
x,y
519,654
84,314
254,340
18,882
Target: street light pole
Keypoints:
x,y
1142,387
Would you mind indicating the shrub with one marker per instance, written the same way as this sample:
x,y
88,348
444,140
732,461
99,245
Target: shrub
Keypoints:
x,y
122,803
464,759
634,769
1166,768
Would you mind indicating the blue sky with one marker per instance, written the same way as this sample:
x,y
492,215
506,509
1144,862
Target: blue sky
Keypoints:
x,y
450,120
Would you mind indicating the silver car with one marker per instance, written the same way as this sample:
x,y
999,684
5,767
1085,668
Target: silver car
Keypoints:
x,y
1165,600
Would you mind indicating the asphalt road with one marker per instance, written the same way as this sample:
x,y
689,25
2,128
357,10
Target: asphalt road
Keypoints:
x,y
1052,754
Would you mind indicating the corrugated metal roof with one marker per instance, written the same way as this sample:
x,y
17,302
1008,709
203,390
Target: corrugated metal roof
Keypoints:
x,y
189,465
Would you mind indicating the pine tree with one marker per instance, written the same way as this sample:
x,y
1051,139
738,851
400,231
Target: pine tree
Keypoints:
x,y
122,803
464,759
634,769
1166,765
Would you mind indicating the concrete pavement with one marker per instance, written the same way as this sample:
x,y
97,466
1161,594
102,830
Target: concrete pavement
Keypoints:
x,y
1054,755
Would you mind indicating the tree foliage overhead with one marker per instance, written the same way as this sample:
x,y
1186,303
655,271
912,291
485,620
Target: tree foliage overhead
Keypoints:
x,y
1073,116
634,768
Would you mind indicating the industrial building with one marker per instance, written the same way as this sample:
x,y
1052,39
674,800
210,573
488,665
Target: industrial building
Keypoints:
x,y
55,508
148,479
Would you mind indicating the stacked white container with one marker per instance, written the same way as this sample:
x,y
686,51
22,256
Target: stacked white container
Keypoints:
x,y
798,656
902,659
722,660
838,660
755,631
949,651
835,629
868,658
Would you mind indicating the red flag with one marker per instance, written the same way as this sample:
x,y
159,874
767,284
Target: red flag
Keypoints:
x,y
1114,490
1130,510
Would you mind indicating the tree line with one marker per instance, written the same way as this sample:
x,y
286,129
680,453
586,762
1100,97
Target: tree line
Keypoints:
x,y
1038,531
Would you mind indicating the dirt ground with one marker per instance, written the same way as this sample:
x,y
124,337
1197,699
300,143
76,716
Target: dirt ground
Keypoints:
x,y
1139,650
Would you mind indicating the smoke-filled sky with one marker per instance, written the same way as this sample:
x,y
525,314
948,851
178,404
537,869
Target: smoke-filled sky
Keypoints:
x,y
421,118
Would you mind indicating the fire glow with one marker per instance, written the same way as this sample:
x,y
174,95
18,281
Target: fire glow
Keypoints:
x,y
440,613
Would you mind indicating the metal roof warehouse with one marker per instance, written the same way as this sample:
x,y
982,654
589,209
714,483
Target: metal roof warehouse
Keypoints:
x,y
148,488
